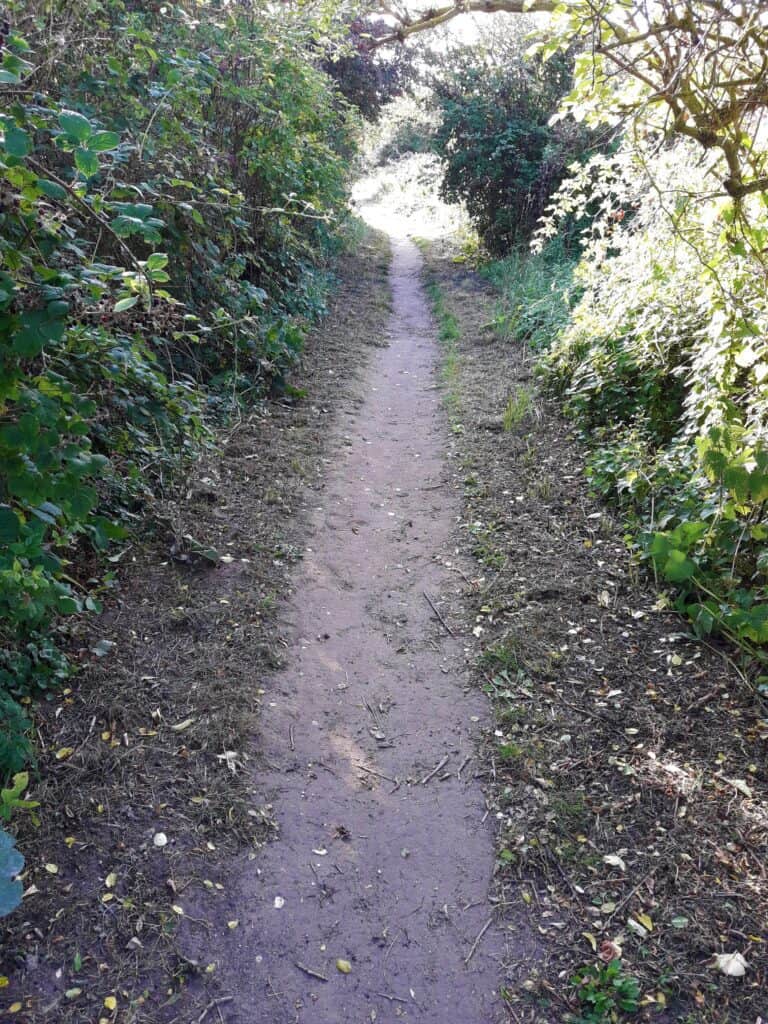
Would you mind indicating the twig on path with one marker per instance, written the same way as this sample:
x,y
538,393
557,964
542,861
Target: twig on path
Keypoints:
x,y
310,972
379,775
443,623
392,999
476,943
620,906
290,737
214,1006
463,765
435,770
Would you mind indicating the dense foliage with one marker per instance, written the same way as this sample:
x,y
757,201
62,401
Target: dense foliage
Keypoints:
x,y
657,338
502,157
171,179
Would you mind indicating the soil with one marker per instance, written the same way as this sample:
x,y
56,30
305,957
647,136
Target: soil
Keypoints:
x,y
629,760
367,742
419,742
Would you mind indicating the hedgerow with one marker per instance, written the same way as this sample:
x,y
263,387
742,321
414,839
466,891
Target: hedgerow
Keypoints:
x,y
663,365
171,182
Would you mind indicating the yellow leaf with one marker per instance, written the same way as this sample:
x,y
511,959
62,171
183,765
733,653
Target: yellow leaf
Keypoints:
x,y
232,924
645,921
178,910
64,752
3,981
70,841
344,966
14,1008
106,735
591,940
52,869
111,880
110,1002
107,897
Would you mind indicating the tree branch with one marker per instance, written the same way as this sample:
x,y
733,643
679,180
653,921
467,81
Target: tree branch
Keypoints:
x,y
438,16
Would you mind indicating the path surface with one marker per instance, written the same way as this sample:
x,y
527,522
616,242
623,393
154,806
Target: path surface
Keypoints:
x,y
393,879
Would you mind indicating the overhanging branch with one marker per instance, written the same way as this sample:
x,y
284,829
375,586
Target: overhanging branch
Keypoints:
x,y
439,15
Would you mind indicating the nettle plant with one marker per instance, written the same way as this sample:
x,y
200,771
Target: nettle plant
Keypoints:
x,y
169,200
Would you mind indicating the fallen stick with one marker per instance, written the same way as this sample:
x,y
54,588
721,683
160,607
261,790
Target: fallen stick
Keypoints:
x,y
379,775
443,623
310,972
476,943
392,999
214,1006
435,770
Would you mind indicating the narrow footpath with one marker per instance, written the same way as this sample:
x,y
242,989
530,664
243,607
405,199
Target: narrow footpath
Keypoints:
x,y
372,905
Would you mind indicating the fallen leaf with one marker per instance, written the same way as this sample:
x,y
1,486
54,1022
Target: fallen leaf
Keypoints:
x,y
52,869
615,861
232,925
591,940
742,787
111,880
279,902
178,910
64,752
636,927
732,964
344,966
110,1002
181,726
645,921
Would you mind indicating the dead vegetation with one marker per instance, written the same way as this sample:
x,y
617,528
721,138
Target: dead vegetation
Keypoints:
x,y
628,763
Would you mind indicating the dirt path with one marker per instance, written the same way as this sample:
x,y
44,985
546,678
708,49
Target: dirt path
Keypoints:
x,y
381,861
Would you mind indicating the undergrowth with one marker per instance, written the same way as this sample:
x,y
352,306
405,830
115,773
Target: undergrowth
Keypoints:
x,y
171,185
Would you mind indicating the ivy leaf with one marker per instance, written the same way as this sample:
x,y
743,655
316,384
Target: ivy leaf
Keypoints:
x,y
678,568
51,189
75,125
128,303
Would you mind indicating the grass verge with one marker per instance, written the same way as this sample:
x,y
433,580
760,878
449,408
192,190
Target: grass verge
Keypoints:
x,y
627,770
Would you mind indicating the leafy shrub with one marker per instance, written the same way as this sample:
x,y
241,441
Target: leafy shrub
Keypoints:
x,y
661,366
169,203
537,294
501,155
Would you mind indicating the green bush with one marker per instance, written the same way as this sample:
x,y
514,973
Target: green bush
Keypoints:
x,y
502,157
169,202
662,365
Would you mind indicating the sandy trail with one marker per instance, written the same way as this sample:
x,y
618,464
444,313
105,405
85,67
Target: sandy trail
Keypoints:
x,y
392,878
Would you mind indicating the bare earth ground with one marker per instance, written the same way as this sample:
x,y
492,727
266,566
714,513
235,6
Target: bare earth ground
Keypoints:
x,y
629,763
152,738
367,742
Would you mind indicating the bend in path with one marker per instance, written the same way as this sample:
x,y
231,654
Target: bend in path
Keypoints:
x,y
375,864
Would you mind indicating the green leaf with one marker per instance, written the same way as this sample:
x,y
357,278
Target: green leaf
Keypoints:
x,y
17,141
10,525
100,142
75,125
157,261
127,303
678,568
51,189
87,162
